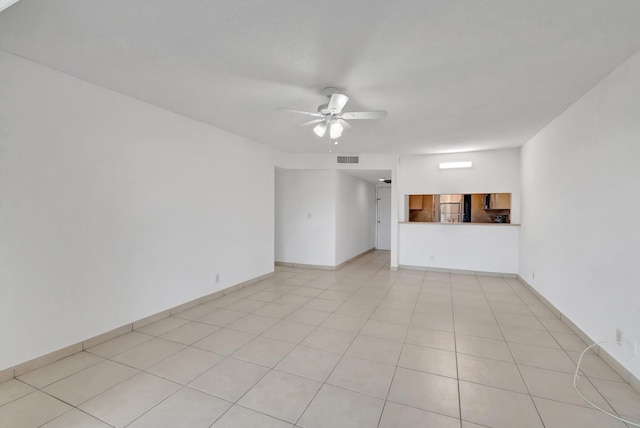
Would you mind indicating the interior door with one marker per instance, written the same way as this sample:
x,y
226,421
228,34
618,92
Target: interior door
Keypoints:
x,y
383,231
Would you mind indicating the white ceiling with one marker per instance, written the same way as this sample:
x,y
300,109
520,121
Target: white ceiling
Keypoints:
x,y
453,75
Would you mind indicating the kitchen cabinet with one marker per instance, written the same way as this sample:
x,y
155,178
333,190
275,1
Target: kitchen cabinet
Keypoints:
x,y
500,201
415,202
496,201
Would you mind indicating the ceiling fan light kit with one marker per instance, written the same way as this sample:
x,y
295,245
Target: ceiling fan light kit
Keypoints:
x,y
330,115
320,129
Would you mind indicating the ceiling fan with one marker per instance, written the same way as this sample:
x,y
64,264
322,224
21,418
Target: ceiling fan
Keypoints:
x,y
330,115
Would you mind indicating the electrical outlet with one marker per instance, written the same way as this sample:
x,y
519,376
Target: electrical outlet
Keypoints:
x,y
635,348
217,278
618,335
533,274
433,257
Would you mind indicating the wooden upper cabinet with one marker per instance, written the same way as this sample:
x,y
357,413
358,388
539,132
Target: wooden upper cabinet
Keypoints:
x,y
501,201
415,202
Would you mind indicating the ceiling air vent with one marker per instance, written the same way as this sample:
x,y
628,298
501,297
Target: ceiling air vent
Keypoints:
x,y
348,159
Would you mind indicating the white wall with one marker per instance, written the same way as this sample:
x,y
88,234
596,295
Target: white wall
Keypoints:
x,y
112,210
305,217
470,247
581,188
464,247
493,171
355,217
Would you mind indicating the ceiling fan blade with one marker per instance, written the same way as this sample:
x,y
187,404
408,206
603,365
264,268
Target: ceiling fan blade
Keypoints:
x,y
311,122
351,115
344,123
337,103
308,113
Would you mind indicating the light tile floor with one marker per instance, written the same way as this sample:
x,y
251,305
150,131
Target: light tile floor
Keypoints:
x,y
358,347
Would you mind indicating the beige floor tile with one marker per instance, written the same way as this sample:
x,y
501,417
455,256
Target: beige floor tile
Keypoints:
x,y
392,315
224,341
528,336
308,316
12,390
221,317
308,362
265,296
431,338
289,331
375,349
355,310
53,372
385,330
467,424
306,292
623,398
470,313
483,347
395,303
511,308
323,305
555,325
544,358
594,366
480,329
246,305
399,416
523,321
337,407
430,360
128,400
490,372
31,411
163,326
281,395
240,417
329,340
185,408
344,323
88,383
222,301
426,391
275,310
368,377
148,353
338,296
436,299
190,333
569,342
558,386
119,344
562,415
540,310
264,351
247,291
292,300
254,324
195,312
185,365
230,379
497,408
75,419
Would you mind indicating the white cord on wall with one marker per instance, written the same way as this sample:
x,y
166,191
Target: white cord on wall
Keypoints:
x,y
576,377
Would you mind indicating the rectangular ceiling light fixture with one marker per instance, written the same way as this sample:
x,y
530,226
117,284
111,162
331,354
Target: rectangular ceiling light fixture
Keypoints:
x,y
450,165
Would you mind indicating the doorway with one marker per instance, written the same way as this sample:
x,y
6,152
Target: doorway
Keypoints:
x,y
383,211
